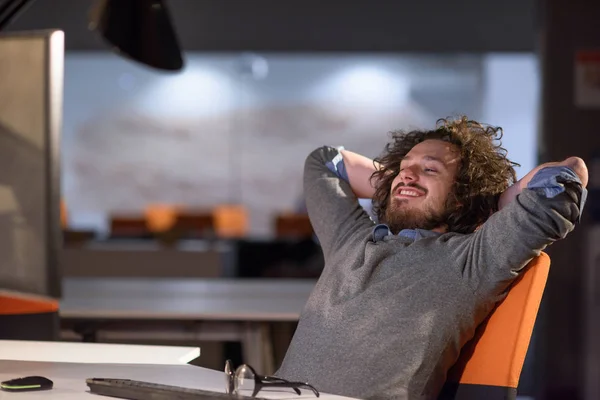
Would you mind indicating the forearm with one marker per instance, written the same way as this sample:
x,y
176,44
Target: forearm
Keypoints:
x,y
576,164
494,254
359,169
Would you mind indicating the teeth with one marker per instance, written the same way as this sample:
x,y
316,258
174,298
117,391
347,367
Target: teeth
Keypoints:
x,y
409,193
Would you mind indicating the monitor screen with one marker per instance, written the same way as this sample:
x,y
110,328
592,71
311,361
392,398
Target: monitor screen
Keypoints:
x,y
31,90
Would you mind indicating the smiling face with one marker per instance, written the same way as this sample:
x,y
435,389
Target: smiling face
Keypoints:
x,y
419,195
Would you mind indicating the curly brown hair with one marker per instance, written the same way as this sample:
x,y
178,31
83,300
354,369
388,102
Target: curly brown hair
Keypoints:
x,y
484,172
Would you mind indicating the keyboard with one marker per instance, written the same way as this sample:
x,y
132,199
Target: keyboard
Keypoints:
x,y
138,390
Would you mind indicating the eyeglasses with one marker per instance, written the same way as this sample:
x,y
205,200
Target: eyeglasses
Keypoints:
x,y
245,378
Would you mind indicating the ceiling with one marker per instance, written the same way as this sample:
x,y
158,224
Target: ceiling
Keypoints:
x,y
317,25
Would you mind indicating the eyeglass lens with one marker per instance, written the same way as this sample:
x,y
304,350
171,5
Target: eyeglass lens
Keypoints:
x,y
244,380
228,377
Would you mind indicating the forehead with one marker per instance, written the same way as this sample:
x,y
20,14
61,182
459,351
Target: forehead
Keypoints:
x,y
444,151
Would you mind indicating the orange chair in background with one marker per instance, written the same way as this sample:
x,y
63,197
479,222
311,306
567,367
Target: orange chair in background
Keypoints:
x,y
489,366
293,225
64,216
195,224
28,319
128,226
225,221
161,217
230,221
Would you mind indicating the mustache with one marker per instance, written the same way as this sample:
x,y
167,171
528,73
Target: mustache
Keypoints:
x,y
414,185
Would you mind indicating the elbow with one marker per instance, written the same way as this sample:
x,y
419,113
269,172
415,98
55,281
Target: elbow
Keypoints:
x,y
314,156
321,155
579,167
317,162
318,153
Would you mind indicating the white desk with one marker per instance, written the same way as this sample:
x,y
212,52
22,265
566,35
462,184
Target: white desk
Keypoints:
x,y
69,379
184,309
97,353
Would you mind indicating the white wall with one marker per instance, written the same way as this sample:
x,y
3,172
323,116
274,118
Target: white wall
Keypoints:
x,y
213,134
511,100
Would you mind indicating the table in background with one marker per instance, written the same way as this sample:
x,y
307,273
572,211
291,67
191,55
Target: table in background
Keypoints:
x,y
69,379
147,258
26,350
104,309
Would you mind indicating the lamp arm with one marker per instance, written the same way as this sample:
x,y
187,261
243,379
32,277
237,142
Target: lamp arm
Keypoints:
x,y
10,9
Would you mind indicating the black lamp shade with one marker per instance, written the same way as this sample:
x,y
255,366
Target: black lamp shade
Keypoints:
x,y
140,30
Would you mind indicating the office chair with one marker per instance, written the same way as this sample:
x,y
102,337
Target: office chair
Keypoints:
x,y
28,319
161,217
293,225
489,366
230,220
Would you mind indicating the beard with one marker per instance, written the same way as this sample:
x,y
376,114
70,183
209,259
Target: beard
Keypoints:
x,y
399,215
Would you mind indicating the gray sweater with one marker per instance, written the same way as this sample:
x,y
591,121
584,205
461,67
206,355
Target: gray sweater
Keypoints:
x,y
389,314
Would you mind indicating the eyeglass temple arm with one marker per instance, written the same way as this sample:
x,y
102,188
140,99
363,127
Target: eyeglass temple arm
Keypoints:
x,y
293,385
272,378
282,383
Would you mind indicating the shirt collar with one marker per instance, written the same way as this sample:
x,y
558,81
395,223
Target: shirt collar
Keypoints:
x,y
380,231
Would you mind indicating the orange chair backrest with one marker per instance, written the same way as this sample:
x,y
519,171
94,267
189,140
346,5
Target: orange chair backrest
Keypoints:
x,y
10,305
161,217
64,214
128,225
293,225
230,221
495,356
195,223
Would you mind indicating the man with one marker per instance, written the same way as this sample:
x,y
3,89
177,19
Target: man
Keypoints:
x,y
398,299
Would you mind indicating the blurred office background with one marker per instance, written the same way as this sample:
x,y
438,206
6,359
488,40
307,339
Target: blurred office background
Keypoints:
x,y
236,128
207,162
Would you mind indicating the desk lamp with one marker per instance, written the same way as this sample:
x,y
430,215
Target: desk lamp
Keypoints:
x,y
9,9
140,30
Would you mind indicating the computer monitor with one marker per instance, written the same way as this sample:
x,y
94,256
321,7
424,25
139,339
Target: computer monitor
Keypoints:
x,y
31,102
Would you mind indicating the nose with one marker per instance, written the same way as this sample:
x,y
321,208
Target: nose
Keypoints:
x,y
408,174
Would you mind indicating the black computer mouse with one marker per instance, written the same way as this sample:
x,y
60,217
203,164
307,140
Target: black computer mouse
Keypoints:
x,y
27,383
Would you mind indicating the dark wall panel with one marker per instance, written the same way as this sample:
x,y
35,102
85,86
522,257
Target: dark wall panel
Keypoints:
x,y
317,25
567,130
